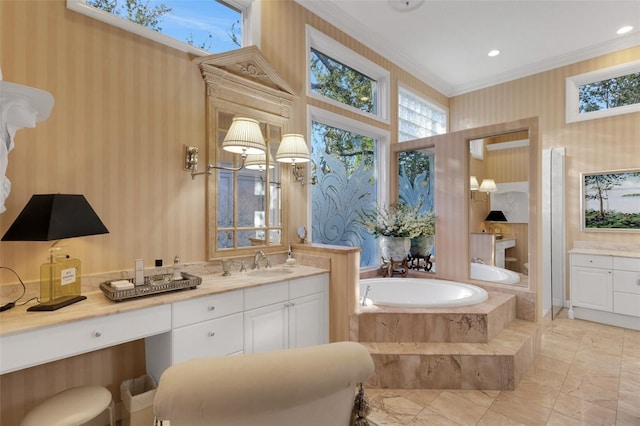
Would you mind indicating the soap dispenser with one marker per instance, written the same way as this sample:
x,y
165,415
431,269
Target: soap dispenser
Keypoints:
x,y
290,260
177,275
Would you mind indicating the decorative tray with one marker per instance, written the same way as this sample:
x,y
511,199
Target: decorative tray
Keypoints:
x,y
154,284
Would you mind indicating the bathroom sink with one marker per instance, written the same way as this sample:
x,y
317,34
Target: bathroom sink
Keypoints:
x,y
268,272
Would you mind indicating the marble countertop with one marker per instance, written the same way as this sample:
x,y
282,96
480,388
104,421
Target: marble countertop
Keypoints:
x,y
605,252
97,304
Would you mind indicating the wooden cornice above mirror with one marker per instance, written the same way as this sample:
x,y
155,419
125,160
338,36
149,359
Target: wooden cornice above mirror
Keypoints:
x,y
245,77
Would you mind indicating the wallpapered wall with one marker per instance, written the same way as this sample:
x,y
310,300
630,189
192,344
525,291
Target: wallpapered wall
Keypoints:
x,y
591,146
125,106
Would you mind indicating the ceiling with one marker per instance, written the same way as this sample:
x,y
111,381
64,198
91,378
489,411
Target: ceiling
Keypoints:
x,y
445,42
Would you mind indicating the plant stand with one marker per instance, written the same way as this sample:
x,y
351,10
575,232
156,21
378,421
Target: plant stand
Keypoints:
x,y
418,262
390,267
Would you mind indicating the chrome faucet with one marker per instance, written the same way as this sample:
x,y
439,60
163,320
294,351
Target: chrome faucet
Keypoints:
x,y
364,298
256,259
477,260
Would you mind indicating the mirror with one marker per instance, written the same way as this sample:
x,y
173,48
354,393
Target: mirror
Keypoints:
x,y
248,201
459,211
498,220
244,207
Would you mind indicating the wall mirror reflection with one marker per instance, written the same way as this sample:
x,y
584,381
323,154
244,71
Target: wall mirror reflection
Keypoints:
x,y
499,208
248,206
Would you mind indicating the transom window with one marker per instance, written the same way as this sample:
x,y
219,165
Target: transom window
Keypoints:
x,y
194,26
340,76
603,93
418,118
339,82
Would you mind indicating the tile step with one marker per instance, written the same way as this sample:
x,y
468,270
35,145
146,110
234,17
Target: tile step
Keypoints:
x,y
498,364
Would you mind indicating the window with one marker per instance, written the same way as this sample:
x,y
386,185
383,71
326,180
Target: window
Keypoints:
x,y
340,76
348,159
418,118
193,26
603,93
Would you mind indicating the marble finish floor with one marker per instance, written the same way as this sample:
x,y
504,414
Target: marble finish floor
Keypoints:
x,y
585,374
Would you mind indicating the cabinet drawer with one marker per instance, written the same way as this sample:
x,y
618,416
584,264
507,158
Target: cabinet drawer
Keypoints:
x,y
217,337
627,263
308,285
206,308
591,261
267,294
51,343
626,281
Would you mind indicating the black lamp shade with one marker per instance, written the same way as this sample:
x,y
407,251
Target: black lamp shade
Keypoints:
x,y
55,217
496,216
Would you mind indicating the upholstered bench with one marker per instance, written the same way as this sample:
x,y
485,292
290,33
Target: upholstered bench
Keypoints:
x,y
71,407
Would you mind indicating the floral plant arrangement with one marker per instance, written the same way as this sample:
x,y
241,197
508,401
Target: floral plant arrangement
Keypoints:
x,y
398,220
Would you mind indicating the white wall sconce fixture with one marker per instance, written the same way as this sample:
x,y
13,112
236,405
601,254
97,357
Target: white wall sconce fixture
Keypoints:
x,y
259,162
244,137
487,185
293,149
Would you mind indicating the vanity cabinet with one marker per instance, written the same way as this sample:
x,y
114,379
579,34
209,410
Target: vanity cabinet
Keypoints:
x,y
626,286
286,315
592,282
263,318
606,288
202,327
490,249
29,348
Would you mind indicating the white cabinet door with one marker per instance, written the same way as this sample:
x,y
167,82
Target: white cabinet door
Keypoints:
x,y
307,321
592,288
267,328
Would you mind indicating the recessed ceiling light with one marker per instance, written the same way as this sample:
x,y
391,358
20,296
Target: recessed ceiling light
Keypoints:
x,y
494,52
405,5
624,30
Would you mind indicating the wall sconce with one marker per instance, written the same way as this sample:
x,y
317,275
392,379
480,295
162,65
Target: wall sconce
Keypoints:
x,y
293,149
244,137
259,162
487,185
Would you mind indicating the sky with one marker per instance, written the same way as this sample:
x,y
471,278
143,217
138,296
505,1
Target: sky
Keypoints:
x,y
196,20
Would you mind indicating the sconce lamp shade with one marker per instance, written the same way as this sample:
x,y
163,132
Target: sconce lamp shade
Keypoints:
x,y
244,137
488,185
55,217
258,162
293,149
473,183
496,216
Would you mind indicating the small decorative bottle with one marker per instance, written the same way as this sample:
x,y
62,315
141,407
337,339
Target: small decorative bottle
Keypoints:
x,y
177,275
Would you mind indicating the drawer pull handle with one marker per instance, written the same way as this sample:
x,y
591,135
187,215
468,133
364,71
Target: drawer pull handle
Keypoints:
x,y
97,333
212,308
212,333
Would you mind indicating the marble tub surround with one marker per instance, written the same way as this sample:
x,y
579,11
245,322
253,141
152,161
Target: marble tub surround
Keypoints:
x,y
475,323
499,364
480,346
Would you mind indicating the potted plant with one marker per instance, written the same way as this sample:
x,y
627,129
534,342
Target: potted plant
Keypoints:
x,y
396,225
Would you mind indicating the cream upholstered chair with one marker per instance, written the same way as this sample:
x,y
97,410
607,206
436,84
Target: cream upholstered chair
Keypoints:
x,y
312,386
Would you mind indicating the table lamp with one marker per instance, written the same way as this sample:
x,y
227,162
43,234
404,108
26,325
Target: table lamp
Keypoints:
x,y
54,217
496,216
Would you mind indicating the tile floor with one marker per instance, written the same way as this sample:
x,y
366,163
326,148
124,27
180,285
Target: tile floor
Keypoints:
x,y
586,374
